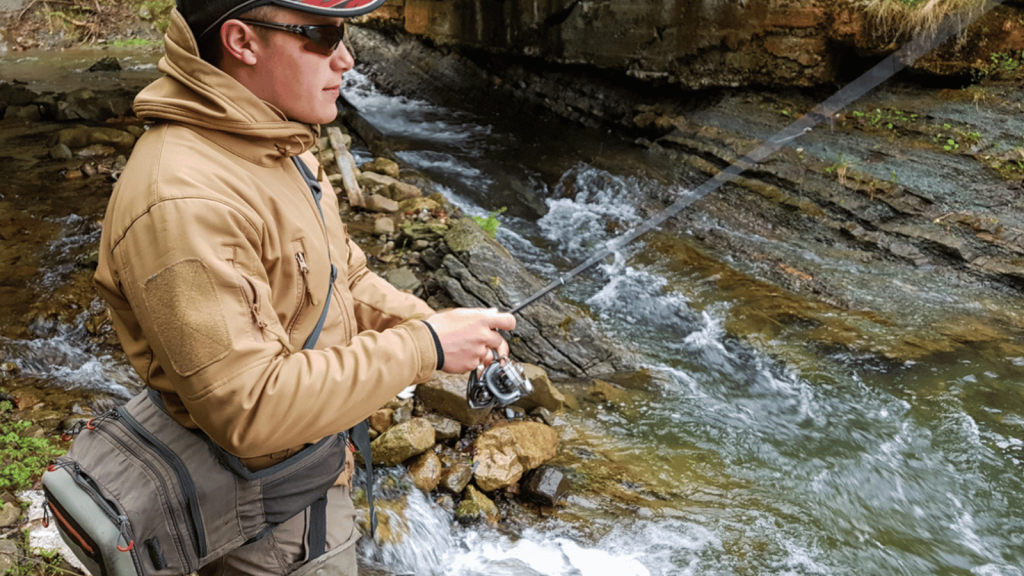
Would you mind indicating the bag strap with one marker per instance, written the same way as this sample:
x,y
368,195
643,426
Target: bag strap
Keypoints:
x,y
360,433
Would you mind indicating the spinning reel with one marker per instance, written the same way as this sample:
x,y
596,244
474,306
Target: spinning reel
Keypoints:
x,y
498,385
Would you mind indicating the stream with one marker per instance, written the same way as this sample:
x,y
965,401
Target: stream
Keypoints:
x,y
743,446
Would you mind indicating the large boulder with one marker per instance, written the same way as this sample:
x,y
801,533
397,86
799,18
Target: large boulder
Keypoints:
x,y
503,453
477,271
402,442
82,136
446,394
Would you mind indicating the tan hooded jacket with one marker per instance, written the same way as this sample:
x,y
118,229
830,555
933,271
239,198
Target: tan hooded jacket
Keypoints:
x,y
214,262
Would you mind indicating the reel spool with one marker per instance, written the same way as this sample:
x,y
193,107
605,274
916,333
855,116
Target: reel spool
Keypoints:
x,y
498,385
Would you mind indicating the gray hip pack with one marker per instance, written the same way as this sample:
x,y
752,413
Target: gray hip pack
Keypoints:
x,y
140,494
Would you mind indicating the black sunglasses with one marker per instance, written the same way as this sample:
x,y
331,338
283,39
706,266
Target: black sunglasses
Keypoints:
x,y
323,38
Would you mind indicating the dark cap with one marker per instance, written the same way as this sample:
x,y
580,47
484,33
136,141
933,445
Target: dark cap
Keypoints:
x,y
204,16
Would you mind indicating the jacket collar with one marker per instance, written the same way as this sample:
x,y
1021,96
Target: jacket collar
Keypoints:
x,y
201,96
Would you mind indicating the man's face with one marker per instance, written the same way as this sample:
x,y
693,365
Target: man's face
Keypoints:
x,y
302,82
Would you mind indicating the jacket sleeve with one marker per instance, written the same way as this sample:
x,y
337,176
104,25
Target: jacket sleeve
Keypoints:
x,y
187,268
378,304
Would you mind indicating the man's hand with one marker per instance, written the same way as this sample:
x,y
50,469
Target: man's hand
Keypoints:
x,y
468,335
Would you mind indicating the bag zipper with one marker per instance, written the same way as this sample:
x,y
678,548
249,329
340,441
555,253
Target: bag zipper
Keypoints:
x,y
90,487
188,487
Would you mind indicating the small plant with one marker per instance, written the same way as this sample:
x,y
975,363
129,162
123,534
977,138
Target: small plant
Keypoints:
x,y
22,459
490,222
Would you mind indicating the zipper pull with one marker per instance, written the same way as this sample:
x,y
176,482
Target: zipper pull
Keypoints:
x,y
304,269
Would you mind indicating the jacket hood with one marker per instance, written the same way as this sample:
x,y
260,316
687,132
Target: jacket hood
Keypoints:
x,y
201,96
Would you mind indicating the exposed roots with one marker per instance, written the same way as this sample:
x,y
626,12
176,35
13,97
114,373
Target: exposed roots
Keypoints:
x,y
901,19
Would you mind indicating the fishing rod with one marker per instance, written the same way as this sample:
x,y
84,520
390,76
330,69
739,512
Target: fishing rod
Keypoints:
x,y
502,384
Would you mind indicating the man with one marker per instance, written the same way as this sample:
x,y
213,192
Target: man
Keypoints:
x,y
216,259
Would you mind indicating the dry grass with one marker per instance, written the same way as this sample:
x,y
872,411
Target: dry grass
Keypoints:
x,y
908,18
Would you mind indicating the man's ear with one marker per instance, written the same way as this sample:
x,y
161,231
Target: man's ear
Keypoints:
x,y
240,42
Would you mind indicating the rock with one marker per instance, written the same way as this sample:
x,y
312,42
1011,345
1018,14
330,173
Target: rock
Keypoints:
x,y
82,136
9,554
544,414
378,203
446,394
413,232
400,191
479,272
135,130
545,486
403,279
29,113
381,420
374,183
601,391
504,453
455,478
9,514
61,152
445,501
475,507
417,204
444,428
402,442
544,392
108,64
401,415
382,166
383,226
425,470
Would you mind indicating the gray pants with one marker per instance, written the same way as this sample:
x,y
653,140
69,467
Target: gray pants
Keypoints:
x,y
284,550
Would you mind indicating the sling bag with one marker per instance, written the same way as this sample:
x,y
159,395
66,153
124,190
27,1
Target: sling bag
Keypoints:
x,y
139,494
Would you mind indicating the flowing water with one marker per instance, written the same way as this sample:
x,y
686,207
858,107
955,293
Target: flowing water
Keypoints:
x,y
763,455
760,454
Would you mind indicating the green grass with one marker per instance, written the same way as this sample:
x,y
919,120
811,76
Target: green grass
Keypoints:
x,y
22,458
134,43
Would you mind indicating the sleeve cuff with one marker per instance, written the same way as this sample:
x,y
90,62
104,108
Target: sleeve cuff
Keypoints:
x,y
437,345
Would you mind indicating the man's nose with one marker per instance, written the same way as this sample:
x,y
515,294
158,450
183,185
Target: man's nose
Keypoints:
x,y
342,60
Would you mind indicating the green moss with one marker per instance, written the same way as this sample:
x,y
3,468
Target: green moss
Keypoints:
x,y
22,458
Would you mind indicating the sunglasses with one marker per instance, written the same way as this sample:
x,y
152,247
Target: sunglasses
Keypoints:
x,y
323,38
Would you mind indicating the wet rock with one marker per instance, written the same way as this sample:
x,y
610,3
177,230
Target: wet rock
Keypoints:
x,y
403,279
9,367
9,514
378,203
455,478
444,428
382,166
445,501
107,64
446,394
544,414
383,226
476,507
544,392
545,486
84,104
61,152
402,442
601,391
82,136
504,453
425,470
381,420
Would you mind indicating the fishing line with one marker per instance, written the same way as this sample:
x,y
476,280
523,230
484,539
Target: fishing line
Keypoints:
x,y
825,111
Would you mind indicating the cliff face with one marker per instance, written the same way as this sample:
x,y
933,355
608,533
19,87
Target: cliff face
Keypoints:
x,y
695,43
